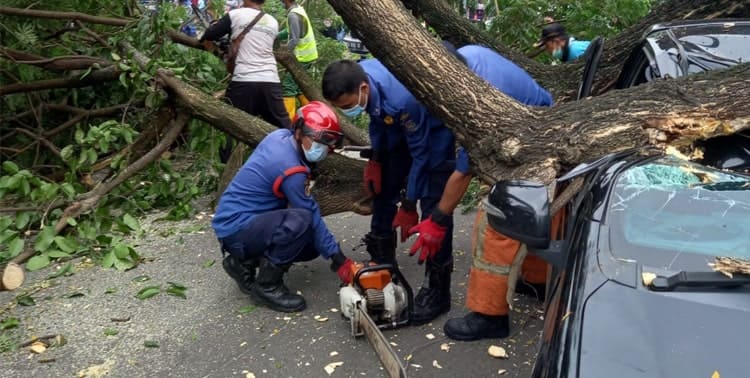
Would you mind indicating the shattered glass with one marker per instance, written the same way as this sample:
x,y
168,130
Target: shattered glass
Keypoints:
x,y
677,215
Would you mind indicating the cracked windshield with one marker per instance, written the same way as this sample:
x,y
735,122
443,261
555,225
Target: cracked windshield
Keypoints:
x,y
678,215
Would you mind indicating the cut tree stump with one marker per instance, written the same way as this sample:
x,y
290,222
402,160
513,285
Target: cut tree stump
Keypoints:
x,y
12,277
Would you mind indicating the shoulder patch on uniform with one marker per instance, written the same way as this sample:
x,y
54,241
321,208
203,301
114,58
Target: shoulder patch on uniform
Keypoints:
x,y
388,120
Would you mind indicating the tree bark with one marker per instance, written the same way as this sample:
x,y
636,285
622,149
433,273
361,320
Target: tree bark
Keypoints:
x,y
95,77
57,64
33,13
508,140
563,80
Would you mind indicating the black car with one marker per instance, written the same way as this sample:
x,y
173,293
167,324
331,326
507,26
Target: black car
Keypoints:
x,y
639,215
638,212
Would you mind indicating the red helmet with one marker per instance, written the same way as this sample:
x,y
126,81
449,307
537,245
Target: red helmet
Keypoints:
x,y
320,122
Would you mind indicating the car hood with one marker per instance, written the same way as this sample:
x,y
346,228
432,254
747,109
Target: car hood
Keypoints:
x,y
631,332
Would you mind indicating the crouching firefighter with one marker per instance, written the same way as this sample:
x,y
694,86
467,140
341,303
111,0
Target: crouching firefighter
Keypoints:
x,y
267,218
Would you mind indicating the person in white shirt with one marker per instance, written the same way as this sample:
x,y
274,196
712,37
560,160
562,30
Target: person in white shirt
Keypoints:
x,y
255,86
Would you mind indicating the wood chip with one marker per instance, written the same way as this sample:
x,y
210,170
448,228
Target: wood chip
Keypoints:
x,y
38,347
648,278
429,336
248,374
320,318
436,364
497,352
502,372
334,353
417,366
393,344
445,347
334,310
332,366
408,357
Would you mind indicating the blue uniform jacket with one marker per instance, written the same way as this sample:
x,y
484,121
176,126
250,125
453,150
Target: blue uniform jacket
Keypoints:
x,y
394,111
507,77
251,191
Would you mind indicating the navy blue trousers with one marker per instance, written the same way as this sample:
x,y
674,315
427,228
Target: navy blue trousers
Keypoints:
x,y
395,166
282,236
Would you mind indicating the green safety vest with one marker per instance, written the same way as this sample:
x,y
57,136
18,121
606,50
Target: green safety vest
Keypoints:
x,y
306,49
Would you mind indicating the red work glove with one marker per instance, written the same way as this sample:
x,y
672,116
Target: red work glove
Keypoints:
x,y
431,235
342,265
406,218
372,178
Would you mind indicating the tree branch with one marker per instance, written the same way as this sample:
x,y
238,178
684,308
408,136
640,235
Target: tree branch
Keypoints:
x,y
95,77
83,114
58,63
33,13
41,139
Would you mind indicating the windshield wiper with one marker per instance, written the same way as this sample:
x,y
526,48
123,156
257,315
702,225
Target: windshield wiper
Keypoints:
x,y
697,279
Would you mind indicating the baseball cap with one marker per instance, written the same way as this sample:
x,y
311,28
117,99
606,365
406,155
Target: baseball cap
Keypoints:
x,y
551,31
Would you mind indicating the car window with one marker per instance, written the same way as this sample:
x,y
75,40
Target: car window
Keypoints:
x,y
678,215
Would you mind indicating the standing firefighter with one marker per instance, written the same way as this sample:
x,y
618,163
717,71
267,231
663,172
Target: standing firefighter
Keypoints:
x,y
493,253
395,113
267,218
302,42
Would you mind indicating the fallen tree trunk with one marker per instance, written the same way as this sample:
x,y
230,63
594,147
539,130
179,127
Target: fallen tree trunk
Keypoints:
x,y
58,63
508,140
33,13
563,80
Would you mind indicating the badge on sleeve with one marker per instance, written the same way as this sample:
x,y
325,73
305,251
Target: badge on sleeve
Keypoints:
x,y
408,123
388,120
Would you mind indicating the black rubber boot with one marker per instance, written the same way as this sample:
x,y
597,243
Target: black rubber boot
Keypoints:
x,y
382,248
476,326
537,291
243,272
434,297
269,289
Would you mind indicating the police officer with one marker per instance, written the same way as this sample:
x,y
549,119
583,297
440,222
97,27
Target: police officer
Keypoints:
x,y
488,280
267,218
367,86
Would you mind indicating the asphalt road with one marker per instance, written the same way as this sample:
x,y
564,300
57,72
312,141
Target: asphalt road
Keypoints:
x,y
216,333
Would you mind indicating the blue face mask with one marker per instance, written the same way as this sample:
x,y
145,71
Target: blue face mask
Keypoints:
x,y
557,53
356,109
316,153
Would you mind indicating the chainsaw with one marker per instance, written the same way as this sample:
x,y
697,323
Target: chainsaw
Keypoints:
x,y
378,298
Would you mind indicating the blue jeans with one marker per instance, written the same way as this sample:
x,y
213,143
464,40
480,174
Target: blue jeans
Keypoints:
x,y
282,236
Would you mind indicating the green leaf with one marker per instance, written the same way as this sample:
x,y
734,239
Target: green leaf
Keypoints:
x,y
109,259
124,265
66,270
67,152
148,292
55,254
74,294
79,135
177,292
246,309
142,278
116,57
110,332
209,263
71,221
130,222
110,290
66,244
86,73
5,222
176,285
91,155
150,344
45,239
25,300
37,262
10,167
7,235
15,247
22,219
121,251
9,323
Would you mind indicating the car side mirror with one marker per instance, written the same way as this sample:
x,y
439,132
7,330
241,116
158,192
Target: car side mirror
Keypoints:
x,y
519,210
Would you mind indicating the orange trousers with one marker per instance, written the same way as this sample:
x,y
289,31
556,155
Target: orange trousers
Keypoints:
x,y
493,255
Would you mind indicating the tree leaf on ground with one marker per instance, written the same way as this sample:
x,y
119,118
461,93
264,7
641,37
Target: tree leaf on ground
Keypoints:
x,y
9,323
44,239
176,285
109,259
25,300
121,250
177,292
151,344
110,332
66,270
110,290
56,254
246,309
209,263
66,244
37,262
130,222
74,294
15,247
124,265
148,292
22,219
142,278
